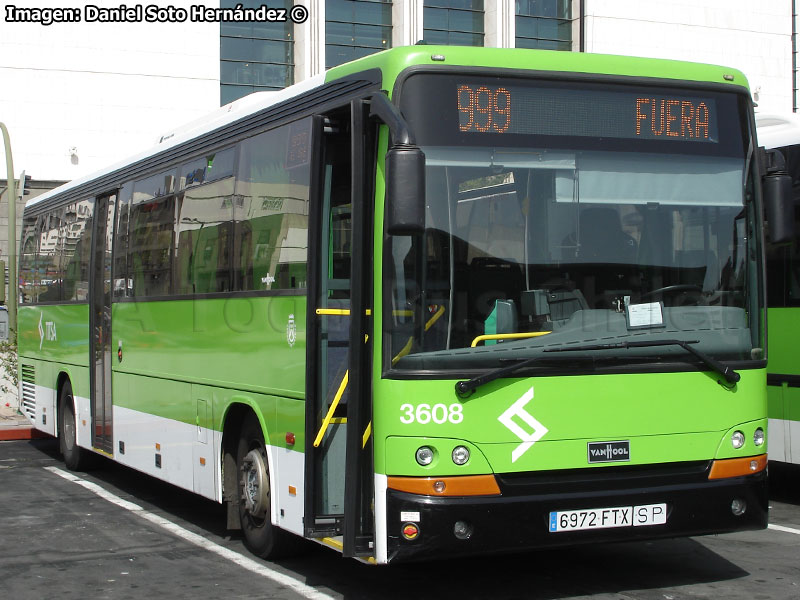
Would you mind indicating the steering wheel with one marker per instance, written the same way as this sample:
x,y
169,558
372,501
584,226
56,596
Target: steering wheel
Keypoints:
x,y
673,289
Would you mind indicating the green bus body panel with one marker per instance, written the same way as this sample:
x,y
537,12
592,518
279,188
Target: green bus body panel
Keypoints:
x,y
178,401
393,62
782,343
174,352
667,417
64,334
239,343
784,400
238,346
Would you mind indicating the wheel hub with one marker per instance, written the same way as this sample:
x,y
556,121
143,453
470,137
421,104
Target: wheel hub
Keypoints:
x,y
255,484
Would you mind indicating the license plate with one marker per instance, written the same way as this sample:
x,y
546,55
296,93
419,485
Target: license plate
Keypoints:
x,y
605,518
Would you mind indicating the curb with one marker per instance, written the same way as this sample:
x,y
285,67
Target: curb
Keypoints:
x,y
8,434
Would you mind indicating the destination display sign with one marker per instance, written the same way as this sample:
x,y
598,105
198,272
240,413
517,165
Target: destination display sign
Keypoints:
x,y
539,110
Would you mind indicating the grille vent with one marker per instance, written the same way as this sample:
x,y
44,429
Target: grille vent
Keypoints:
x,y
29,391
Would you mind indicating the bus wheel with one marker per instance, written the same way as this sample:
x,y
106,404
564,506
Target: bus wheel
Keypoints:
x,y
261,537
75,457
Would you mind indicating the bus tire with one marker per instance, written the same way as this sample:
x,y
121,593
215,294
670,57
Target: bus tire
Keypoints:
x,y
75,457
261,537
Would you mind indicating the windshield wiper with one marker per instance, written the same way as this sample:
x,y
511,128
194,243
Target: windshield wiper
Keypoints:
x,y
464,388
729,374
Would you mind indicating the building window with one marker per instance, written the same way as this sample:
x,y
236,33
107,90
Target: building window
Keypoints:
x,y
544,24
255,56
453,22
356,28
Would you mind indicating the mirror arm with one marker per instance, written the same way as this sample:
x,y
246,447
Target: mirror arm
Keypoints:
x,y
380,107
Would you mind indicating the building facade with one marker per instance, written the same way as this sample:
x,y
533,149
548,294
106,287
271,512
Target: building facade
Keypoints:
x,y
77,96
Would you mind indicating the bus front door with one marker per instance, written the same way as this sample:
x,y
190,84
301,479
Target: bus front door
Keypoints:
x,y
339,480
100,323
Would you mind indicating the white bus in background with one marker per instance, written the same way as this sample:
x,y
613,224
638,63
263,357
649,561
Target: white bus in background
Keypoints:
x,y
782,131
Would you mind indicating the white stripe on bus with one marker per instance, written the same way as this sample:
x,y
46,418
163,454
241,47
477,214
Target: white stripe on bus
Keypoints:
x,y
198,540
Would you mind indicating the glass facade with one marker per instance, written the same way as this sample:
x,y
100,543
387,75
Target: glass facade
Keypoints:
x,y
255,56
356,28
544,24
454,22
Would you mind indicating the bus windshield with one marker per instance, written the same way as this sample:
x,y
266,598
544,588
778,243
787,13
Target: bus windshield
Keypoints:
x,y
535,242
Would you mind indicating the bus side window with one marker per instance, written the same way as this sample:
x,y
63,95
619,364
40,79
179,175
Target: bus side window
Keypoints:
x,y
77,250
151,245
29,247
203,263
783,261
151,230
27,264
49,260
121,287
271,209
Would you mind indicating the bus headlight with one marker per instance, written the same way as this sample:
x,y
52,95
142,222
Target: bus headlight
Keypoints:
x,y
460,455
424,456
737,439
758,437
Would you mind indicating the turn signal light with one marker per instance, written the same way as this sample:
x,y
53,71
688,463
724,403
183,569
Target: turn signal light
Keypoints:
x,y
465,485
738,467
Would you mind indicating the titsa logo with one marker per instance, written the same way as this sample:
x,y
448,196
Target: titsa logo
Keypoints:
x,y
49,334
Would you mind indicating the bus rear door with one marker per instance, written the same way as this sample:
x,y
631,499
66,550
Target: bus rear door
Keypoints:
x,y
100,323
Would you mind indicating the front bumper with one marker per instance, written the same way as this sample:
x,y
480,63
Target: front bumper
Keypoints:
x,y
515,521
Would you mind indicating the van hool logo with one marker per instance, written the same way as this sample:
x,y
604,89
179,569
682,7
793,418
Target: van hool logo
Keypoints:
x,y
609,451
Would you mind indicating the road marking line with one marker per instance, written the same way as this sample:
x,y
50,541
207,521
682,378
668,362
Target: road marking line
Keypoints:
x,y
784,529
198,540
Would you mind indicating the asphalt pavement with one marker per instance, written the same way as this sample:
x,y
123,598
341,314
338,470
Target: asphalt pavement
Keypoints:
x,y
115,533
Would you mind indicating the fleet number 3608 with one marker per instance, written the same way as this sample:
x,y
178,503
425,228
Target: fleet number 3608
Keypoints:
x,y
425,413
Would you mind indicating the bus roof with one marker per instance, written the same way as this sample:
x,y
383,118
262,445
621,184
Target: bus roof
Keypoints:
x,y
775,130
229,113
392,62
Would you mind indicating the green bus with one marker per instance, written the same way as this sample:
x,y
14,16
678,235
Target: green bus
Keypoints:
x,y
782,132
438,301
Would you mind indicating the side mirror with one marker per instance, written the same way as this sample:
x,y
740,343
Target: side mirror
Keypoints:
x,y
405,190
778,202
